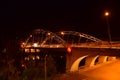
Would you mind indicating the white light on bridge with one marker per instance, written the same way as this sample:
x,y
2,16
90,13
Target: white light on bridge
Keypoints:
x,y
35,45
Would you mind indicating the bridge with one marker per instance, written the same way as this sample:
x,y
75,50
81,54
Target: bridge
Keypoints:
x,y
78,50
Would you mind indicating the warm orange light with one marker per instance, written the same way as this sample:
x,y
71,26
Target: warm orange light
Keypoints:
x,y
69,49
106,13
37,57
30,35
26,58
49,33
23,45
23,65
62,33
33,58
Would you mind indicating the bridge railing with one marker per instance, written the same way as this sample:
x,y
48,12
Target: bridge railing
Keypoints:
x,y
85,45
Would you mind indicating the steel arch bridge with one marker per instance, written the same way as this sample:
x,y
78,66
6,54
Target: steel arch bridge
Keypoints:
x,y
40,39
46,39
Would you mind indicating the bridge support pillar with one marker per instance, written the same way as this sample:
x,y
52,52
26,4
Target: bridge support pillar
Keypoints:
x,y
73,65
68,62
102,59
90,61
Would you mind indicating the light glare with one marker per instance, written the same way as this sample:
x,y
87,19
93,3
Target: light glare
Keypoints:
x,y
62,33
106,13
35,45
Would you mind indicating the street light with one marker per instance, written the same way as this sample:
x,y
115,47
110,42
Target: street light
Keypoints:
x,y
106,13
108,27
62,33
45,68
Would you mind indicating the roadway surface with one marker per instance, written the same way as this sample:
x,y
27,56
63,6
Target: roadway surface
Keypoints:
x,y
107,71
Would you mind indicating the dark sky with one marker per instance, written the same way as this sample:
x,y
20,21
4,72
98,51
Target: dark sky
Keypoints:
x,y
87,16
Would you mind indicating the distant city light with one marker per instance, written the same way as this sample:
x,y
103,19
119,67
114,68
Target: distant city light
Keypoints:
x,y
37,57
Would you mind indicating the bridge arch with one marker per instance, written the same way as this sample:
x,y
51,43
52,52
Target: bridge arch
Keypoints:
x,y
102,59
45,36
41,36
91,61
75,65
80,35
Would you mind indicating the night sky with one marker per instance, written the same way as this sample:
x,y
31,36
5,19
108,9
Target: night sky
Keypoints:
x,y
87,16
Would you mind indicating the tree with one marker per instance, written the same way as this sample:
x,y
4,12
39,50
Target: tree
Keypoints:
x,y
8,71
35,71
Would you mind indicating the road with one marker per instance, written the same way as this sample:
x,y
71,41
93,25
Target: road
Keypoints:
x,y
107,71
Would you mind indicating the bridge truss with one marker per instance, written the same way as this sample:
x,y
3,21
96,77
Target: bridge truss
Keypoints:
x,y
40,38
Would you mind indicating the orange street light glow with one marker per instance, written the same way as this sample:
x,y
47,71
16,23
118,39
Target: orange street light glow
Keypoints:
x,y
49,33
62,33
106,13
69,49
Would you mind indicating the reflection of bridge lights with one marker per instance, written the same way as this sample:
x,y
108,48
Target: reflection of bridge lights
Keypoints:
x,y
62,33
30,35
32,50
23,65
61,57
48,33
37,57
37,50
26,58
35,45
27,50
33,58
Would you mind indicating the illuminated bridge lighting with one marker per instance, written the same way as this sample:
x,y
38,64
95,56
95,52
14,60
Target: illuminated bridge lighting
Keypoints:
x,y
71,38
35,45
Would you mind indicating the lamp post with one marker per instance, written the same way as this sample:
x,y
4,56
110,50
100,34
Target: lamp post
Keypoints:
x,y
108,26
45,68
